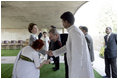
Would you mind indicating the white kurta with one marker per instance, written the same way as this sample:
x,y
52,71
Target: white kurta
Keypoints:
x,y
26,69
77,54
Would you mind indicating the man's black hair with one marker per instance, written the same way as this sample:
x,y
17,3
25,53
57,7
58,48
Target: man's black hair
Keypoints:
x,y
84,28
109,28
68,16
44,32
52,26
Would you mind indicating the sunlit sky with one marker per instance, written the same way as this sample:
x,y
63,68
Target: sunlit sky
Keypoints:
x,y
88,14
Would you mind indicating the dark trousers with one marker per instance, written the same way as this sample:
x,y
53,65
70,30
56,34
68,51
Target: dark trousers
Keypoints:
x,y
56,62
111,67
48,57
66,66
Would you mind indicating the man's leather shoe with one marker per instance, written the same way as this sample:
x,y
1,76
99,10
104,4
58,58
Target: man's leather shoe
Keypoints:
x,y
55,69
105,77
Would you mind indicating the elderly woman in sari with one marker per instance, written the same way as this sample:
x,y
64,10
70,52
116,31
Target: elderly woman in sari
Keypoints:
x,y
28,63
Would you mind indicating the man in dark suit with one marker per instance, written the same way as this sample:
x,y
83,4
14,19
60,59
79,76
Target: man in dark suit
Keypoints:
x,y
51,45
89,41
55,44
110,53
63,41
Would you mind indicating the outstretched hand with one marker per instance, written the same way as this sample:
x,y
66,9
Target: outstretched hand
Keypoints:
x,y
49,53
46,61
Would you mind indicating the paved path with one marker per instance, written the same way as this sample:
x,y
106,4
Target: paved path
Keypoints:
x,y
8,59
98,64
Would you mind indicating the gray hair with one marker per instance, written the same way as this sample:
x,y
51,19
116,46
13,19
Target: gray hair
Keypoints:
x,y
54,31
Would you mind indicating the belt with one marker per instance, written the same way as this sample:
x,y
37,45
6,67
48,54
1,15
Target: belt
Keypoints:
x,y
26,58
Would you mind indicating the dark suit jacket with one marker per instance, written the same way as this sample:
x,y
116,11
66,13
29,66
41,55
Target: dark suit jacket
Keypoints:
x,y
90,46
51,45
57,45
111,46
63,38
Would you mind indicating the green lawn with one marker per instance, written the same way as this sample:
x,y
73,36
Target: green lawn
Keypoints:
x,y
9,52
6,70
97,75
46,71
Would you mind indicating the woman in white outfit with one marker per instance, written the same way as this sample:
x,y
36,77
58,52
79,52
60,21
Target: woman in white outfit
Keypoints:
x,y
28,63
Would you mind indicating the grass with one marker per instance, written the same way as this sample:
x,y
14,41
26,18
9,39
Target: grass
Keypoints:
x,y
9,52
102,52
45,72
6,70
97,75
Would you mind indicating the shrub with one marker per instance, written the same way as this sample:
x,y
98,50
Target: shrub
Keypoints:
x,y
102,52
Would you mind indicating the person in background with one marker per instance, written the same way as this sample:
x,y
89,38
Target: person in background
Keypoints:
x,y
54,36
110,53
28,63
33,29
76,48
89,41
46,41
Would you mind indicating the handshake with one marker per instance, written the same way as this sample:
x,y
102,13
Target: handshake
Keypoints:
x,y
49,53
46,61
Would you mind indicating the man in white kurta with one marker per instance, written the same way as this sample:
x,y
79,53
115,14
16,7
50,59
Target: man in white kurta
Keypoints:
x,y
77,51
45,39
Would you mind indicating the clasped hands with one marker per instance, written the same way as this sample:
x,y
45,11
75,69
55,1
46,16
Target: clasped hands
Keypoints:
x,y
49,53
46,61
